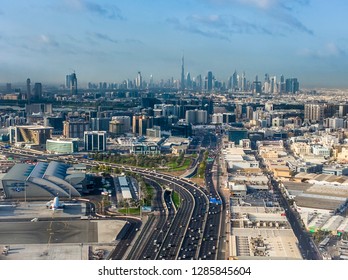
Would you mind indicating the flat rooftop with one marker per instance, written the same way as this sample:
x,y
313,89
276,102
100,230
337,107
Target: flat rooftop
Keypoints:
x,y
34,232
276,244
317,203
262,233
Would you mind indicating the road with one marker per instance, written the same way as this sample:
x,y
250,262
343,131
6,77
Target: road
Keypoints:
x,y
307,247
191,232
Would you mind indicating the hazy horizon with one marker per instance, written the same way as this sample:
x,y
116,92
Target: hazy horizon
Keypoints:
x,y
110,41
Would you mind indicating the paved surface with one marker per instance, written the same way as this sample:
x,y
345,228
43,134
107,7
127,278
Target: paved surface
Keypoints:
x,y
56,235
39,210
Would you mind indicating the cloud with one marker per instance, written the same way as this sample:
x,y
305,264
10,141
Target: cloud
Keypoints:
x,y
221,27
329,50
189,26
48,41
104,37
107,11
291,21
263,4
283,11
133,41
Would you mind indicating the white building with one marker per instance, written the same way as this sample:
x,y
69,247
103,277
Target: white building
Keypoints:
x,y
318,150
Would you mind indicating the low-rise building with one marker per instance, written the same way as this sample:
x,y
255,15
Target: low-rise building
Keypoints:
x,y
62,145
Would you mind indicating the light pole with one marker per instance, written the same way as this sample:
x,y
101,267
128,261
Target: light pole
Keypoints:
x,y
140,204
25,193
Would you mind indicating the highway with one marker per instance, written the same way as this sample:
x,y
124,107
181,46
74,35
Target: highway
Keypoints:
x,y
211,236
164,213
185,230
129,232
190,232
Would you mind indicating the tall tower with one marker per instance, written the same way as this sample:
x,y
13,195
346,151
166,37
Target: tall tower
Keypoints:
x,y
37,91
73,84
210,81
67,81
182,82
139,80
234,81
28,89
244,84
282,84
188,81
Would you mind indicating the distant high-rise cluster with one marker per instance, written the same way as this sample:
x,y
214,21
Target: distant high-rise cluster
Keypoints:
x,y
270,85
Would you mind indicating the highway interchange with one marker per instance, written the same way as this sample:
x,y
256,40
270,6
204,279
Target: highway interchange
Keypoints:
x,y
194,231
189,232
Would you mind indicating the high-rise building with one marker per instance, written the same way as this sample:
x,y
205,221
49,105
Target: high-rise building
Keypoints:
x,y
342,110
188,81
210,81
37,91
139,81
244,83
141,123
182,81
100,124
73,84
274,86
282,84
95,140
234,81
292,85
257,86
28,89
74,128
67,81
314,112
196,116
199,82
8,87
249,112
119,125
151,83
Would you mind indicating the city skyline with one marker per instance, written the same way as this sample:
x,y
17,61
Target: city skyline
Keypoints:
x,y
108,41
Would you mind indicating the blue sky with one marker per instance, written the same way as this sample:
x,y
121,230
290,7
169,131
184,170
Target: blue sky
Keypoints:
x,y
109,40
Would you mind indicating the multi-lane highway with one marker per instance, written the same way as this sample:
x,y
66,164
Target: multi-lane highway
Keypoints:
x,y
189,232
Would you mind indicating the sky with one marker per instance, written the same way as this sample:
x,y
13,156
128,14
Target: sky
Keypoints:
x,y
111,40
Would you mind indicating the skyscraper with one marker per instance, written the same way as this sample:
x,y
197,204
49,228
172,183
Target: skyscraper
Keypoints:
x,y
292,85
182,82
244,83
188,81
28,89
139,81
257,85
37,91
234,81
210,81
199,82
67,81
73,84
282,84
